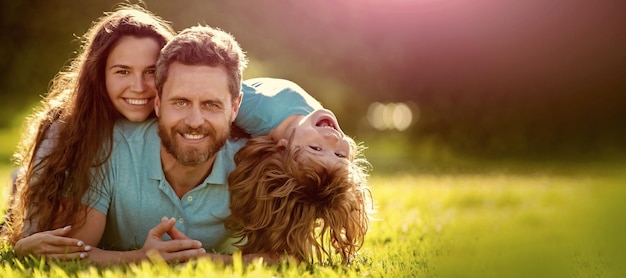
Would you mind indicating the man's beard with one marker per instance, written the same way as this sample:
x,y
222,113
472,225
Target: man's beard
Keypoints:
x,y
196,155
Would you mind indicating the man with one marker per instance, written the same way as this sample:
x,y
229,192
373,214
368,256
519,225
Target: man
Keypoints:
x,y
183,175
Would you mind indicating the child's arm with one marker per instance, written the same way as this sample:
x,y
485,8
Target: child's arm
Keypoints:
x,y
267,102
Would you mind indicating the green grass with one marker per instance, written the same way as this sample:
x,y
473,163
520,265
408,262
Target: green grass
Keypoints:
x,y
446,225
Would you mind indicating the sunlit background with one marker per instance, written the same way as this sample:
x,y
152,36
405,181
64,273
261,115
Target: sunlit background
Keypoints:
x,y
421,82
486,121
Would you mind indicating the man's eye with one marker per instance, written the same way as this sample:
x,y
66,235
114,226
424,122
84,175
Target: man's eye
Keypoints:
x,y
212,105
315,148
151,72
180,103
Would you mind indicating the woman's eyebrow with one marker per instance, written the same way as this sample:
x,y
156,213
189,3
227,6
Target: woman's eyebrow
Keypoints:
x,y
119,66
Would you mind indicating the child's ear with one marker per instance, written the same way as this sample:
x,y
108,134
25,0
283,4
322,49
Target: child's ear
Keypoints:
x,y
282,143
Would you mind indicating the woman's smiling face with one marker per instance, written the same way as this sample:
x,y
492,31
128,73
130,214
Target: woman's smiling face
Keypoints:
x,y
129,76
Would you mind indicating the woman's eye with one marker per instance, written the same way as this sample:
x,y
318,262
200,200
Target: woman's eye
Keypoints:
x,y
315,148
124,72
151,72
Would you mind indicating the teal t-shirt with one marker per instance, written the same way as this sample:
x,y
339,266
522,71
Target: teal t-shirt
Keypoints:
x,y
135,194
268,101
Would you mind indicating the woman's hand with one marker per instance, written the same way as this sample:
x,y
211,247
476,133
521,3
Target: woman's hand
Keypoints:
x,y
52,244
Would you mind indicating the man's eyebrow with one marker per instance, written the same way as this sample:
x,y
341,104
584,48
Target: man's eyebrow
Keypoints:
x,y
216,101
177,98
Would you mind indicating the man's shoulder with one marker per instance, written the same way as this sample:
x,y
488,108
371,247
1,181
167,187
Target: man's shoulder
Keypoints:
x,y
234,144
230,148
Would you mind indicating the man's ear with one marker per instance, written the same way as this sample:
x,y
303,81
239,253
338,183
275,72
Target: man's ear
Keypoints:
x,y
236,104
157,105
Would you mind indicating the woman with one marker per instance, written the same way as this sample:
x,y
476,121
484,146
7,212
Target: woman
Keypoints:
x,y
70,134
301,190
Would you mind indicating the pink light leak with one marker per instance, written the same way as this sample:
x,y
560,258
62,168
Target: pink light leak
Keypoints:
x,y
495,43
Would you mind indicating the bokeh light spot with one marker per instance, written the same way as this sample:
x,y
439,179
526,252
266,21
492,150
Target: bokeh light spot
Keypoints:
x,y
382,116
402,116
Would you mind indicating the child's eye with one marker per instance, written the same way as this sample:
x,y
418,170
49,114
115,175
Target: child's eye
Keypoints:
x,y
340,155
315,148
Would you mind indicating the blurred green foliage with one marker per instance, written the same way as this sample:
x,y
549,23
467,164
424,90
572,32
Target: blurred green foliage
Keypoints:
x,y
535,102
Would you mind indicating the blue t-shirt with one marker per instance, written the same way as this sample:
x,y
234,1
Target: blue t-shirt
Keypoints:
x,y
135,194
268,101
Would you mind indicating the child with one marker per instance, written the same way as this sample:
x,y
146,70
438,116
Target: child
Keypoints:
x,y
302,189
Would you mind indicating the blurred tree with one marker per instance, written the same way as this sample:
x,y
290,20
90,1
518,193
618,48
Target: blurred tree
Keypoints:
x,y
489,77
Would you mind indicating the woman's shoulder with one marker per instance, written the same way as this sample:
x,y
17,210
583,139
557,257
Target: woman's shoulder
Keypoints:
x,y
135,131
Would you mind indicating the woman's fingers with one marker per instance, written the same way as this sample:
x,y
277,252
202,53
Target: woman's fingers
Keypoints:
x,y
51,243
49,249
60,231
68,256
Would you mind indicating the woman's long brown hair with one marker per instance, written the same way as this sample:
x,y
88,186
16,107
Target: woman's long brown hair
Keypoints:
x,y
81,115
282,205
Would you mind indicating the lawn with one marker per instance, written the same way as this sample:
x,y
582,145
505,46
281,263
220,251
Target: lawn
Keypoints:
x,y
448,225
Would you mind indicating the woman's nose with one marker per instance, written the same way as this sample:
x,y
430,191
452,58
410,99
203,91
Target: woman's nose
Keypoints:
x,y
139,83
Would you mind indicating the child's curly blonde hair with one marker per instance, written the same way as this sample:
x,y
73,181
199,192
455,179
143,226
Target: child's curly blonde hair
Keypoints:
x,y
283,205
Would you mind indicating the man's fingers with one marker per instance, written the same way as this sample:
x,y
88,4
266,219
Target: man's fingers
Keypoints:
x,y
180,248
175,233
162,228
177,245
176,249
183,256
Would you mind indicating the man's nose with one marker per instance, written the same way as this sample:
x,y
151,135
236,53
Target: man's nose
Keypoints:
x,y
194,117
